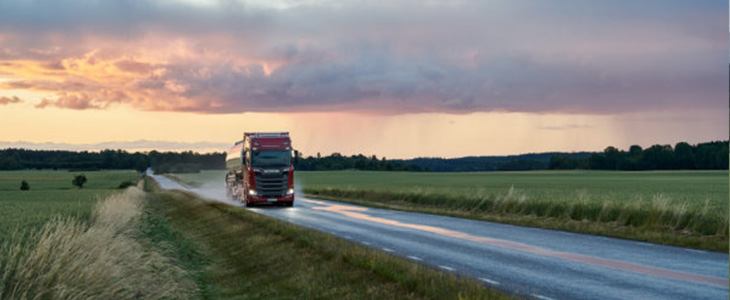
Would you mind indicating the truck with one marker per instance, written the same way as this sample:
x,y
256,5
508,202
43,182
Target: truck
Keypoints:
x,y
261,169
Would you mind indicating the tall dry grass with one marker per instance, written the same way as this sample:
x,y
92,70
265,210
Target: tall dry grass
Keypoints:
x,y
101,259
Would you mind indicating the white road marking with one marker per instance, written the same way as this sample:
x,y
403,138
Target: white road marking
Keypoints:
x,y
492,282
447,268
694,250
414,258
388,250
541,297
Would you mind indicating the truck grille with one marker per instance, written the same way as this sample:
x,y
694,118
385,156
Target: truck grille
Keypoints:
x,y
272,186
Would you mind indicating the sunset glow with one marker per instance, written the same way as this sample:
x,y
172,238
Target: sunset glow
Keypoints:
x,y
397,79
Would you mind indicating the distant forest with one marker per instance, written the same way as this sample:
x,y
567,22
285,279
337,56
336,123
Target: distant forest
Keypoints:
x,y
162,162
683,156
704,156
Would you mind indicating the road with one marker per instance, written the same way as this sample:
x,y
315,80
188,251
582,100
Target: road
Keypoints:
x,y
528,262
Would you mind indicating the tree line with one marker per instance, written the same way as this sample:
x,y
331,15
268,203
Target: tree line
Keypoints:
x,y
162,162
703,156
683,156
337,161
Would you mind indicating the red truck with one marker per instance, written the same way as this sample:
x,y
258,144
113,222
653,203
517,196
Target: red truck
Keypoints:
x,y
261,169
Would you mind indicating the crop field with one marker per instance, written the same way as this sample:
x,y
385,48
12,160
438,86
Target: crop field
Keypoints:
x,y
685,208
694,189
52,195
61,242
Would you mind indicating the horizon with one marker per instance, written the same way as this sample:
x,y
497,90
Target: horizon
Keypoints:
x,y
413,79
93,149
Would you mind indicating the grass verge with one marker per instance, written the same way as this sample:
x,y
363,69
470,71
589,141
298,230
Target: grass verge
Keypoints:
x,y
249,256
99,258
660,222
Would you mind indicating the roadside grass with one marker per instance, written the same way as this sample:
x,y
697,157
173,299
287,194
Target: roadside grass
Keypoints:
x,y
51,195
101,257
239,254
680,208
657,207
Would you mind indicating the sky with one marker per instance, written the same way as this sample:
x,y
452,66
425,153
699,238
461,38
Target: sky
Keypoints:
x,y
398,79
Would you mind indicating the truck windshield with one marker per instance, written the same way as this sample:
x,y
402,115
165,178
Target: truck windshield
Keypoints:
x,y
264,158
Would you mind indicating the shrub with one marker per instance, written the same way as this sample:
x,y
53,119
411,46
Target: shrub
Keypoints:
x,y
24,186
126,184
79,180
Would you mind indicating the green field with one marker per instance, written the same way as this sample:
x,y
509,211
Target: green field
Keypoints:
x,y
52,195
693,188
684,208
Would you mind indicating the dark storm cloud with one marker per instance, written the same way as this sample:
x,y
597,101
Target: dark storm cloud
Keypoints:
x,y
392,57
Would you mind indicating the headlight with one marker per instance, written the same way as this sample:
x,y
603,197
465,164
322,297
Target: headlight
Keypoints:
x,y
290,191
252,192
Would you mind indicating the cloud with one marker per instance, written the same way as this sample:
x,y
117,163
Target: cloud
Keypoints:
x,y
460,57
9,100
78,101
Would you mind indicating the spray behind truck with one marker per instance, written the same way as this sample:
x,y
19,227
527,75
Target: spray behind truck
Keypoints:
x,y
261,169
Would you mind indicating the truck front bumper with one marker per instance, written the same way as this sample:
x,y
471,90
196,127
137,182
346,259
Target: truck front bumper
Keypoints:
x,y
273,200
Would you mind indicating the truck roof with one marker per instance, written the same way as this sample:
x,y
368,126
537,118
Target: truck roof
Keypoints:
x,y
268,140
267,134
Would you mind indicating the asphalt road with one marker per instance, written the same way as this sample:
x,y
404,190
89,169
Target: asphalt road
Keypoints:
x,y
529,262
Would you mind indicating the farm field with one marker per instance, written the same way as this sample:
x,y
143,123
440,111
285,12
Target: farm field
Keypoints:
x,y
61,242
51,195
692,188
684,208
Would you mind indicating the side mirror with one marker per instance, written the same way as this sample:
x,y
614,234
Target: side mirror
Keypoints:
x,y
296,156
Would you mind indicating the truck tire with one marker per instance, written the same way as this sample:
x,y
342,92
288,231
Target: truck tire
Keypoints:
x,y
245,202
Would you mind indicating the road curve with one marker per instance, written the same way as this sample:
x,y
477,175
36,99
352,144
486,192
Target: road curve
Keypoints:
x,y
529,262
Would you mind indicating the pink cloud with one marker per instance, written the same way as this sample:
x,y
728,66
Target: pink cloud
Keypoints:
x,y
9,100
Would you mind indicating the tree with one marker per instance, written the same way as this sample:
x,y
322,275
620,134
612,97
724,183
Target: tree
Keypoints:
x,y
598,162
24,186
613,156
685,156
79,180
